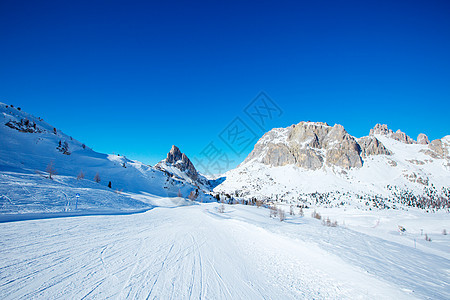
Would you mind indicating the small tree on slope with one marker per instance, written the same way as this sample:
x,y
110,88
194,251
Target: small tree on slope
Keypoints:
x,y
97,178
80,175
51,170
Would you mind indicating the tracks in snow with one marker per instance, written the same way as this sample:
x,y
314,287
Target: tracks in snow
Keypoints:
x,y
169,253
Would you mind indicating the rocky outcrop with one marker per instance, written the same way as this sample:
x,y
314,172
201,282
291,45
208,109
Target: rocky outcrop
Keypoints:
x,y
380,129
342,150
179,160
398,135
308,158
402,137
24,125
436,149
422,139
313,145
278,155
309,145
370,145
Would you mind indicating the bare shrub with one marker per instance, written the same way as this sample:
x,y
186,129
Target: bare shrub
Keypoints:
x,y
258,203
273,211
97,178
193,195
51,170
291,210
329,223
316,215
300,212
80,175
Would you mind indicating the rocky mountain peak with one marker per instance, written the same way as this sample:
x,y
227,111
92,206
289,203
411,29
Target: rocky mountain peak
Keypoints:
x,y
422,139
174,155
312,145
400,136
180,161
381,129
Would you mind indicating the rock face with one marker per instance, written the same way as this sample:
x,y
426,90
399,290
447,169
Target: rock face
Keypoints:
x,y
438,149
380,129
180,161
398,135
370,145
312,145
422,139
278,155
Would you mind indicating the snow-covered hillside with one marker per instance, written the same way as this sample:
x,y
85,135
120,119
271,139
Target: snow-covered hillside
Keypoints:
x,y
197,252
313,163
337,242
30,148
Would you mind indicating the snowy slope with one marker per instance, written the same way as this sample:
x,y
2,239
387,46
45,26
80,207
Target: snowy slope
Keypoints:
x,y
408,169
114,246
195,252
28,145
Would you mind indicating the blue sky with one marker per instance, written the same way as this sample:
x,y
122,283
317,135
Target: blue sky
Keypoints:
x,y
136,77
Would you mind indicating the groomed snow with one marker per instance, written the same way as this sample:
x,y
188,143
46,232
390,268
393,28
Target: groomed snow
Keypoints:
x,y
193,251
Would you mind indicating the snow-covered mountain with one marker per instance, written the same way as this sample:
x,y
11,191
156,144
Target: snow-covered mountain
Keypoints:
x,y
224,251
178,165
314,163
30,148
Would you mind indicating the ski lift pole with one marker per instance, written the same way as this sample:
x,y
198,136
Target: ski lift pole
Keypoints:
x,y
76,202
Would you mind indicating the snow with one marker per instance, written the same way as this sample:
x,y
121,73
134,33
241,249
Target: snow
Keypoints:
x,y
411,168
140,240
26,189
193,251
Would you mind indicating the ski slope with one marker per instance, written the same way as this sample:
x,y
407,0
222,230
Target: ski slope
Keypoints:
x,y
184,251
28,145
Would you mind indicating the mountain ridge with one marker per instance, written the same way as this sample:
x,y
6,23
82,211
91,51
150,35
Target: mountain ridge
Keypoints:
x,y
32,151
295,163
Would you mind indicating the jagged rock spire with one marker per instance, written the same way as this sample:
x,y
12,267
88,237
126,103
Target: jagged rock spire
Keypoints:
x,y
179,160
422,139
174,155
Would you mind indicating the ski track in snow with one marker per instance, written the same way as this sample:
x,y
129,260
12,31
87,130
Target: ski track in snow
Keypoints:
x,y
193,252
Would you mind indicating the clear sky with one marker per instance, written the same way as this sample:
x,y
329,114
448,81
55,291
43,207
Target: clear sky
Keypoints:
x,y
135,77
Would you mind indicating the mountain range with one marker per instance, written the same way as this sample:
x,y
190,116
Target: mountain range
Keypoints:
x,y
309,163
